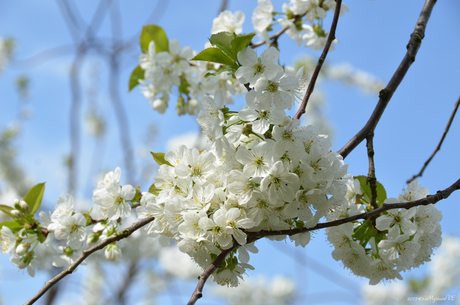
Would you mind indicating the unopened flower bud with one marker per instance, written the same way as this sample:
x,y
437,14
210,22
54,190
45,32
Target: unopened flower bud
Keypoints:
x,y
112,253
24,206
16,204
193,106
159,105
16,213
68,251
92,239
22,249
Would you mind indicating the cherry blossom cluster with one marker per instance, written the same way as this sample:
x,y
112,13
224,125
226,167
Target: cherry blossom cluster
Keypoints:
x,y
35,244
394,242
302,19
263,173
194,79
442,277
165,69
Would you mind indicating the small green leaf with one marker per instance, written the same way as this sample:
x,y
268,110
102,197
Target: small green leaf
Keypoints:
x,y
136,75
223,40
6,209
13,225
88,218
40,236
138,195
184,85
157,35
241,42
381,193
154,190
214,55
160,158
365,232
34,197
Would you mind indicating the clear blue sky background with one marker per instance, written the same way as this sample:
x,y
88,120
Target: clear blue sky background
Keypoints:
x,y
372,36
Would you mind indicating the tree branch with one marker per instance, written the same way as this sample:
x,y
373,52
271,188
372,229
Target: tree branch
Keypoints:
x,y
438,148
440,195
322,58
371,179
386,94
254,236
223,6
121,235
198,293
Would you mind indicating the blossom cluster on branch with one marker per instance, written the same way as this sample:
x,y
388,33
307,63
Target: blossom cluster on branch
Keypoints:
x,y
264,173
164,64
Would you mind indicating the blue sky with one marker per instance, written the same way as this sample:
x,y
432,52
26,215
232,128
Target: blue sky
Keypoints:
x,y
372,36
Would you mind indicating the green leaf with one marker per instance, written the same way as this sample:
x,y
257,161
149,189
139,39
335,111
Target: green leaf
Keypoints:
x,y
381,193
6,209
13,225
241,42
184,85
214,55
34,197
157,35
136,75
40,236
223,40
138,195
365,232
160,158
154,190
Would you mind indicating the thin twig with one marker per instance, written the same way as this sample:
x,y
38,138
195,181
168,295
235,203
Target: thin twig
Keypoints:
x,y
430,199
371,179
438,148
386,94
198,293
121,235
277,35
223,6
322,58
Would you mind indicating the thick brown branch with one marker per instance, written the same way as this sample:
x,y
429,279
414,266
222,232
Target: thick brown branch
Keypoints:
x,y
322,58
198,293
440,195
438,148
386,94
121,235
